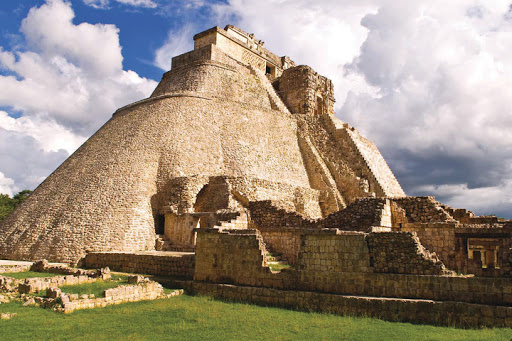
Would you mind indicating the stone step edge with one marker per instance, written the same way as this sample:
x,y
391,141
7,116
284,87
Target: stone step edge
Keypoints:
x,y
422,311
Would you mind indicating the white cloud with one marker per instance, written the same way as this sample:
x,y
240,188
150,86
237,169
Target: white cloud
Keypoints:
x,y
178,42
50,135
7,185
138,3
104,4
66,82
483,200
428,81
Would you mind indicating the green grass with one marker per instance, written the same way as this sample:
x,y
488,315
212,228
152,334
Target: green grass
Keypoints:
x,y
28,274
199,318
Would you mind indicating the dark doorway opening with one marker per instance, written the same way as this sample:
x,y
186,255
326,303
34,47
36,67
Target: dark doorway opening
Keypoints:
x,y
159,224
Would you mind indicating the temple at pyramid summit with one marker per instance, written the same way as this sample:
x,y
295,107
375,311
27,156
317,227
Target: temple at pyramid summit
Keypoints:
x,y
235,171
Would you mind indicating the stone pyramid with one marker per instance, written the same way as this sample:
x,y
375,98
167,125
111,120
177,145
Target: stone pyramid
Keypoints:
x,y
230,123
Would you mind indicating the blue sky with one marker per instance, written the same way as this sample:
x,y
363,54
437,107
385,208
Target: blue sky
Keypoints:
x,y
428,81
141,30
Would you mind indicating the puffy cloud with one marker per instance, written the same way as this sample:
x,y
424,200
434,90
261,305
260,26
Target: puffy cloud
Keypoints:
x,y
428,81
24,161
7,185
103,4
49,135
63,84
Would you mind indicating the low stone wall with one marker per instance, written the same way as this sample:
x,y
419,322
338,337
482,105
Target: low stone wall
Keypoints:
x,y
31,285
14,268
118,295
405,310
151,263
67,303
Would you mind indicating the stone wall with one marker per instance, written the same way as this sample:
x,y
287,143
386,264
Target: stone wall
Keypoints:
x,y
306,92
160,264
284,241
67,303
233,256
329,251
439,238
268,214
13,268
361,215
405,310
238,259
31,285
402,253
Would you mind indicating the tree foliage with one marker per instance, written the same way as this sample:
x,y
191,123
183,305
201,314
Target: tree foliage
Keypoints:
x,y
8,204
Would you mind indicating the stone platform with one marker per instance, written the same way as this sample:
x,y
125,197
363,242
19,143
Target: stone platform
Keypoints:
x,y
159,263
422,311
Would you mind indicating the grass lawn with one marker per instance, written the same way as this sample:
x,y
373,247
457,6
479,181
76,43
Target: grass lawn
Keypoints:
x,y
27,274
198,318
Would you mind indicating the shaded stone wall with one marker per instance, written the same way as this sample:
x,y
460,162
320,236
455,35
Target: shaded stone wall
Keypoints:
x,y
362,215
401,252
423,209
161,264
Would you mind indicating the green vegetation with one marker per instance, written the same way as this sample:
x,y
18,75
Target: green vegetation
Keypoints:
x,y
199,318
28,274
8,204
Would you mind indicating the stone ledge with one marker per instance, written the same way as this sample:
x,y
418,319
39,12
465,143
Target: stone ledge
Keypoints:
x,y
459,314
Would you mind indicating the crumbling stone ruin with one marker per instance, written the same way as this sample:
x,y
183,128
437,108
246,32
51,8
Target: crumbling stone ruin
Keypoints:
x,y
237,162
139,288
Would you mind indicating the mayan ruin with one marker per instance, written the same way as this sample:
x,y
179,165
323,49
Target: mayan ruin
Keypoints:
x,y
236,177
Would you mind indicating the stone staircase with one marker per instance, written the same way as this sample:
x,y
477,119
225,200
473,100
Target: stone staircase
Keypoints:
x,y
275,101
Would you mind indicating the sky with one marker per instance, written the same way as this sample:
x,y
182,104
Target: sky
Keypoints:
x,y
429,81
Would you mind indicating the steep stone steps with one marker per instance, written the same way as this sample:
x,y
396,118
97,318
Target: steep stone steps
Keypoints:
x,y
275,101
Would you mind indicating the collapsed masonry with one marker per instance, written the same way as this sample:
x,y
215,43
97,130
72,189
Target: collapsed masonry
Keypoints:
x,y
237,156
